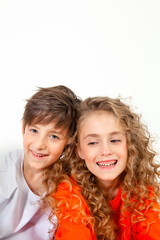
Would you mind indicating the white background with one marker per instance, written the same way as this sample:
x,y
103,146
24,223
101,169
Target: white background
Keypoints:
x,y
95,47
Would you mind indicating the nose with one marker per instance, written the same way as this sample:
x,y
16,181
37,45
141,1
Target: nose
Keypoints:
x,y
105,148
40,143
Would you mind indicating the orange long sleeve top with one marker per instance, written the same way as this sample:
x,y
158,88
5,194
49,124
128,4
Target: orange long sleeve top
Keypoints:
x,y
69,230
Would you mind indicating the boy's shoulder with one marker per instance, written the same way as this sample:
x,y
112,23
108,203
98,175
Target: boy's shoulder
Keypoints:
x,y
9,160
8,172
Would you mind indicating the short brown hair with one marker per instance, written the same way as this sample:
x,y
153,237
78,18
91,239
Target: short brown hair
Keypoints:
x,y
57,103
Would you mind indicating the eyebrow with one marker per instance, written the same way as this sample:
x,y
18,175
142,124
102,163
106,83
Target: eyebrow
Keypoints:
x,y
111,134
59,132
116,133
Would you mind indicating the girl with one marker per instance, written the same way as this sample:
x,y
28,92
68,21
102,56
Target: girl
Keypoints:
x,y
113,192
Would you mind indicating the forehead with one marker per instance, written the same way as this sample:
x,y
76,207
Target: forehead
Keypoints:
x,y
100,122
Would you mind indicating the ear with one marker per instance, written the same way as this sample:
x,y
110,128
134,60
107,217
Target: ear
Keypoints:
x,y
79,152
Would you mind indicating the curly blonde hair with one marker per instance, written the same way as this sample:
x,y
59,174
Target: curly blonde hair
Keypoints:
x,y
141,172
140,175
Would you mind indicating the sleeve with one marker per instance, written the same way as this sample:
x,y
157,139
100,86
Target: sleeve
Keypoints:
x,y
150,228
70,231
150,233
72,224
154,231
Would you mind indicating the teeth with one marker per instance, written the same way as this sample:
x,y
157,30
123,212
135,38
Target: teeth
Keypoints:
x,y
106,164
38,155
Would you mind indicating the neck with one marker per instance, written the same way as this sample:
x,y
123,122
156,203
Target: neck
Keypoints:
x,y
111,187
34,179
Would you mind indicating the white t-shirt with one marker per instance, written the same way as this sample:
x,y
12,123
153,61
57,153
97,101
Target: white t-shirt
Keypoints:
x,y
20,216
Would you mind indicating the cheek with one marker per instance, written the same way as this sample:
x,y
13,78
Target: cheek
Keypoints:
x,y
89,154
86,152
28,140
57,149
124,152
25,141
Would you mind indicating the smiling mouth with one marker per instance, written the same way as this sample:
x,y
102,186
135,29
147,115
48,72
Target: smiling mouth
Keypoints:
x,y
39,155
107,164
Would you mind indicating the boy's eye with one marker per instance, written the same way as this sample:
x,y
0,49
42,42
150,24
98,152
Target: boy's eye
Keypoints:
x,y
33,130
115,140
54,137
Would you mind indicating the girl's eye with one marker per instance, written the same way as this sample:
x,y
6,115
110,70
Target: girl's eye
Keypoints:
x,y
54,137
115,140
33,130
92,143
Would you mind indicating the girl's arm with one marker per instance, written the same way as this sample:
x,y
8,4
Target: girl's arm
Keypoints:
x,y
72,231
150,228
70,214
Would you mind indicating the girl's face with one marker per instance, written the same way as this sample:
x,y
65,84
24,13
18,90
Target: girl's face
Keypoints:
x,y
103,146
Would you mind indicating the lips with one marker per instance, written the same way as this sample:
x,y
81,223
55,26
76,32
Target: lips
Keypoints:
x,y
107,163
38,154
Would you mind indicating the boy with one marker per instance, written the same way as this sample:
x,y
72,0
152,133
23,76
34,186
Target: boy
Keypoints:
x,y
48,122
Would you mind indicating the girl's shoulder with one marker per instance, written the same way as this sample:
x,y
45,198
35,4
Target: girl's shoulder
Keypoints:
x,y
70,199
72,213
67,188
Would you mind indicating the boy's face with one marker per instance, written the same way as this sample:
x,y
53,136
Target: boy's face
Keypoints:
x,y
43,145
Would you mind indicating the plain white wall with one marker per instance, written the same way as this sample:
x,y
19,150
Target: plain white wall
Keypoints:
x,y
95,47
